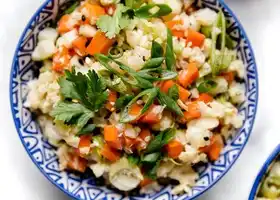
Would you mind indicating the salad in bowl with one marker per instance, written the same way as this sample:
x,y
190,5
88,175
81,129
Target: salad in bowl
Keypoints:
x,y
138,94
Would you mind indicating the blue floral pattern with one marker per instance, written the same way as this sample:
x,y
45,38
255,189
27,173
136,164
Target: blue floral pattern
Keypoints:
x,y
43,154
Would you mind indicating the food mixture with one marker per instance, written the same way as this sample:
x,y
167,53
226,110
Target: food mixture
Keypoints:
x,y
270,186
138,91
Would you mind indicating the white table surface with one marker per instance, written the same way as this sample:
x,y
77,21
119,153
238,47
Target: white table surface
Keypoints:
x,y
20,179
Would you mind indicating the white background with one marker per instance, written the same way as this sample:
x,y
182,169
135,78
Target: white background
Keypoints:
x,y
19,177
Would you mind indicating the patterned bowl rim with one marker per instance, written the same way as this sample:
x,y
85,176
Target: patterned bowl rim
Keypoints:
x,y
224,5
275,153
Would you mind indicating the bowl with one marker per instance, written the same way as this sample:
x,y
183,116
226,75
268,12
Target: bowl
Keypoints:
x,y
43,154
262,173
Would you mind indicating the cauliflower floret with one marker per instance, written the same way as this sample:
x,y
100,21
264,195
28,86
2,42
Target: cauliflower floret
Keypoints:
x,y
73,141
67,39
124,176
44,49
205,16
78,66
132,60
96,66
237,66
195,136
194,24
49,130
194,55
133,37
87,30
166,122
181,136
175,5
205,70
165,168
179,44
194,93
222,86
237,92
108,2
204,122
48,34
215,109
63,156
44,93
131,131
185,175
207,47
192,156
142,52
99,169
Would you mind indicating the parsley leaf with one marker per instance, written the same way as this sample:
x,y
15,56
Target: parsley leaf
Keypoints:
x,y
89,94
72,113
112,25
160,140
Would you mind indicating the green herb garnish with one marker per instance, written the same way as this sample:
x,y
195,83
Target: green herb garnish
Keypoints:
x,y
169,55
207,86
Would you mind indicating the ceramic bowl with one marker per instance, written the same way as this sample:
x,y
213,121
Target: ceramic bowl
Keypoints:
x,y
264,170
43,154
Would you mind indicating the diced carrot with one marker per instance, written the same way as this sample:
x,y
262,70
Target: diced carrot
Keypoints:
x,y
229,76
151,116
193,111
183,93
99,44
196,38
146,181
174,148
77,163
61,60
85,141
92,11
109,153
214,149
206,98
135,109
172,26
110,10
112,98
166,85
110,133
79,45
188,76
64,24
111,137
129,143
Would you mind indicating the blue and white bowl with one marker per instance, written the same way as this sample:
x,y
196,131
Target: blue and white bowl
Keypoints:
x,y
265,168
43,154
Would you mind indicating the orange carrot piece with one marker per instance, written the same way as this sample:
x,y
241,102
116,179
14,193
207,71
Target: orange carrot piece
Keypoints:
x,y
64,25
99,44
214,149
109,153
188,76
172,24
129,143
85,141
196,38
143,139
112,98
174,148
61,60
146,181
229,76
193,111
135,109
206,98
93,10
166,86
150,117
183,93
79,45
110,133
76,163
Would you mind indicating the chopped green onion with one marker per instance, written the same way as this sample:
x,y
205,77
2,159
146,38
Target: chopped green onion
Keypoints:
x,y
115,52
207,86
169,55
146,11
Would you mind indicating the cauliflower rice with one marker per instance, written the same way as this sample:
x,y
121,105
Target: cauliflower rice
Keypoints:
x,y
137,96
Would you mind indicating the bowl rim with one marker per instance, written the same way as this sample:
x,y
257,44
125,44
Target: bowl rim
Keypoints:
x,y
38,11
267,164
